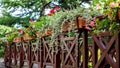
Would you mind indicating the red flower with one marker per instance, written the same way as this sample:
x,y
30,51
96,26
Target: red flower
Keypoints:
x,y
52,11
49,14
57,7
20,31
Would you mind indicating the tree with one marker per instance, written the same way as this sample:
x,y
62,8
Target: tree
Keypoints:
x,y
33,8
9,20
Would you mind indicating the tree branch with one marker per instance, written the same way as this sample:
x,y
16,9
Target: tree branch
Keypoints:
x,y
43,8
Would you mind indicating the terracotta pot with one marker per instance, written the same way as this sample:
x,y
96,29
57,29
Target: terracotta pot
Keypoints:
x,y
119,14
37,33
43,35
65,26
48,32
26,37
80,23
18,39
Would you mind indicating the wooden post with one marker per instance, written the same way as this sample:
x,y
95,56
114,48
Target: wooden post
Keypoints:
x,y
21,57
10,55
41,53
57,57
15,54
118,51
85,51
29,56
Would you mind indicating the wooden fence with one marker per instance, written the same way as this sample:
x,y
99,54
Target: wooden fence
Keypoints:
x,y
81,50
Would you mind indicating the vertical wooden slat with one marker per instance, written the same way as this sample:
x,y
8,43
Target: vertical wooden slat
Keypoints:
x,y
10,56
57,58
117,47
77,52
41,53
21,57
85,46
95,52
29,57
15,54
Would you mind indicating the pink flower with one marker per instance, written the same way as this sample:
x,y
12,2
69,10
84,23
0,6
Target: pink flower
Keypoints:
x,y
112,4
52,11
94,19
87,27
97,6
92,23
57,8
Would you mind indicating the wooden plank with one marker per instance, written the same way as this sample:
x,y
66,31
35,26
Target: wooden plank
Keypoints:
x,y
85,52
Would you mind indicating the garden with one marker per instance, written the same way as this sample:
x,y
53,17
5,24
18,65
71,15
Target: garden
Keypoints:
x,y
72,37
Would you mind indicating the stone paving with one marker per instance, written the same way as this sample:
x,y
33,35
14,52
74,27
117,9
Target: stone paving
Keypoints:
x,y
2,65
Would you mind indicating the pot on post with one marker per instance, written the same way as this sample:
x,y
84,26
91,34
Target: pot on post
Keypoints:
x,y
80,22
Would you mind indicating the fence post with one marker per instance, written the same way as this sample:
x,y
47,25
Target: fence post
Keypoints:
x,y
118,50
21,56
15,54
29,56
85,47
57,57
57,53
10,56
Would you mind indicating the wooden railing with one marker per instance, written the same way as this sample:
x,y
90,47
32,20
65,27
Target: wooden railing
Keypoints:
x,y
77,51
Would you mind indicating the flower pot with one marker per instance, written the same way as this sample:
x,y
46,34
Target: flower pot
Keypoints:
x,y
26,37
43,35
18,39
118,14
80,22
48,32
37,34
65,26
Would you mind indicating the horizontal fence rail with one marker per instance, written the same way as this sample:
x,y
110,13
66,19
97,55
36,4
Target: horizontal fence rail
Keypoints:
x,y
80,50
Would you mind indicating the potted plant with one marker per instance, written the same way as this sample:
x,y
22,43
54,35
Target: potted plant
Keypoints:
x,y
18,38
118,13
10,37
29,34
58,20
110,21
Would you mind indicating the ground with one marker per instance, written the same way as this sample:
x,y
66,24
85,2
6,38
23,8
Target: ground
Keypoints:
x,y
25,66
